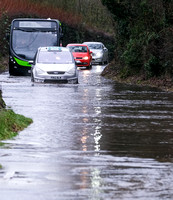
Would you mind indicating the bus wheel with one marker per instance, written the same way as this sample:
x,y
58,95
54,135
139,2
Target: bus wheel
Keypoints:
x,y
12,72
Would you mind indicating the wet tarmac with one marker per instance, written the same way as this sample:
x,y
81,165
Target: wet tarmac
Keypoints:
x,y
97,140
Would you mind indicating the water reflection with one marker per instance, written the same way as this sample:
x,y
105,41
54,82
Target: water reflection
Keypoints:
x,y
85,75
137,121
96,184
84,138
94,134
97,137
98,68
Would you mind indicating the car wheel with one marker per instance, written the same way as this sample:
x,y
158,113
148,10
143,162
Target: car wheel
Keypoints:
x,y
102,63
76,81
89,67
73,81
32,77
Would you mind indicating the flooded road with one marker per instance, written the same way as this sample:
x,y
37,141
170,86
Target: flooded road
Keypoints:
x,y
97,140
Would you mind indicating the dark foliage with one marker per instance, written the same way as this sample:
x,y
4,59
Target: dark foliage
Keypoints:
x,y
80,34
143,35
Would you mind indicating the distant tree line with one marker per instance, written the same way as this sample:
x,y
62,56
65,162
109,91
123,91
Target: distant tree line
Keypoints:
x,y
92,12
144,36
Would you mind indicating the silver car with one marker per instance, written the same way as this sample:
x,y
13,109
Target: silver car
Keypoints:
x,y
99,52
54,64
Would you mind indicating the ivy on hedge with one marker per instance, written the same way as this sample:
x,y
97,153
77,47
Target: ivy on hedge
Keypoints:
x,y
143,29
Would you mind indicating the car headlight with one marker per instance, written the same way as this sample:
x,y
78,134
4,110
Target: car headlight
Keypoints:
x,y
99,54
85,58
39,71
71,70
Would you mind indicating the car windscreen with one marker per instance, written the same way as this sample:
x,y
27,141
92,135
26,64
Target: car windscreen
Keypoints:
x,y
94,46
81,49
54,57
26,43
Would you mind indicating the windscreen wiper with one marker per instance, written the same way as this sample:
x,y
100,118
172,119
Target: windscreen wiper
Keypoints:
x,y
34,29
26,29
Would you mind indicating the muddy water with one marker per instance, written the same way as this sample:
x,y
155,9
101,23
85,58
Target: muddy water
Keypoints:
x,y
98,140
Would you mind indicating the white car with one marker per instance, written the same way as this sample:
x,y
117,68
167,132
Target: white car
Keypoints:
x,y
99,52
54,64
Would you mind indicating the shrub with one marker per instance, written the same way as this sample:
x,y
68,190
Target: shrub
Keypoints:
x,y
143,34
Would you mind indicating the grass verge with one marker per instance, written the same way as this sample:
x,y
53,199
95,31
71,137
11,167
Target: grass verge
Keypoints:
x,y
11,123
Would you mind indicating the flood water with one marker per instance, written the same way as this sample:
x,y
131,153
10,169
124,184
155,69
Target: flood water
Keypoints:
x,y
98,140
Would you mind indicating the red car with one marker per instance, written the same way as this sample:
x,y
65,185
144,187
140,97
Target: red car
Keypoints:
x,y
81,54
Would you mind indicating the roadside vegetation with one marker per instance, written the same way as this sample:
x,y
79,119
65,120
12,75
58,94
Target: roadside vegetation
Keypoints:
x,y
11,123
144,42
91,13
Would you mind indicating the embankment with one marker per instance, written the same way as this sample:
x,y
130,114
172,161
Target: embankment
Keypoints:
x,y
10,122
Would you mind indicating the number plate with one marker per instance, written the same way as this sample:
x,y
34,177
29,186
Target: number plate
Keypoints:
x,y
55,77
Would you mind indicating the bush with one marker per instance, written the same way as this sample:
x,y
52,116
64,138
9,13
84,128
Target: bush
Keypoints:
x,y
143,34
4,31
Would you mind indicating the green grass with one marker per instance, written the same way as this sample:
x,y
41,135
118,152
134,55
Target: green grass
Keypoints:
x,y
11,123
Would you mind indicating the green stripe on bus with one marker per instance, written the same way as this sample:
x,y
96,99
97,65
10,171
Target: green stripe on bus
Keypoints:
x,y
21,62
